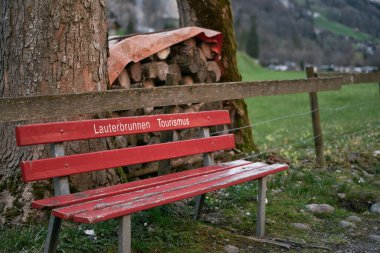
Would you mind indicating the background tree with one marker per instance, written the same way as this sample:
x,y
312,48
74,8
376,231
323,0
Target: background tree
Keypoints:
x,y
252,46
217,15
47,47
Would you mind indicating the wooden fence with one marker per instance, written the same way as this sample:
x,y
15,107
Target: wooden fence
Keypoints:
x,y
38,107
41,107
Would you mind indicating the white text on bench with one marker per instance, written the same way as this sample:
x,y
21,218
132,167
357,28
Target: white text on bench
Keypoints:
x,y
120,127
173,122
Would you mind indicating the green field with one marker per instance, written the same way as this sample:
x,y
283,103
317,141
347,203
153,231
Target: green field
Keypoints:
x,y
353,109
251,71
324,23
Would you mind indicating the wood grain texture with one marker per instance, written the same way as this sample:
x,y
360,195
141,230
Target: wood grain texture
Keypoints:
x,y
89,195
40,107
85,129
75,164
47,47
217,15
354,78
176,191
68,212
316,122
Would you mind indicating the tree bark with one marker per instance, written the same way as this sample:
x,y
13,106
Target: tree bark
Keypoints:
x,y
217,15
47,47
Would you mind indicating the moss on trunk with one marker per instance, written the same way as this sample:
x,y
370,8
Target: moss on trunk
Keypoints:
x,y
217,15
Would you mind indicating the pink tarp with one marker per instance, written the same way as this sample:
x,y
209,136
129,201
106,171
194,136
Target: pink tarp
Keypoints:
x,y
138,47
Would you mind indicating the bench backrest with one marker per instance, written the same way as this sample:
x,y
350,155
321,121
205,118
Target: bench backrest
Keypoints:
x,y
86,129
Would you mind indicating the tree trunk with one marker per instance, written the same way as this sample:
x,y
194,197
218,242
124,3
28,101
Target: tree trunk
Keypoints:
x,y
217,15
47,47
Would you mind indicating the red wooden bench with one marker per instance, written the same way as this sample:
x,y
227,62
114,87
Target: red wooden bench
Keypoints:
x,y
120,201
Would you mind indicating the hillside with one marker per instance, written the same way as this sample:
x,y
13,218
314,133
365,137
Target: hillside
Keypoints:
x,y
345,32
252,71
318,32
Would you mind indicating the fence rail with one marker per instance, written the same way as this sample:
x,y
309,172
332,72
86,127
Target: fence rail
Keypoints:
x,y
353,78
63,105
41,107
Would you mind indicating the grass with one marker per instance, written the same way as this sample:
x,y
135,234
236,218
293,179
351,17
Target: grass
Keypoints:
x,y
252,71
324,23
301,2
350,122
231,213
352,109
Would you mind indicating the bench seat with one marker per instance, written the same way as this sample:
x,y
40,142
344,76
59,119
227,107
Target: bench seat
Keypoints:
x,y
135,201
84,196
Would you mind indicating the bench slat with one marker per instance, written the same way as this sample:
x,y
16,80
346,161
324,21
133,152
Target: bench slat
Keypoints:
x,y
190,188
68,165
86,129
69,211
94,194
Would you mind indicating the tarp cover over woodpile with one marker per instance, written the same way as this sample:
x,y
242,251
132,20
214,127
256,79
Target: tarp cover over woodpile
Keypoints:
x,y
139,47
186,56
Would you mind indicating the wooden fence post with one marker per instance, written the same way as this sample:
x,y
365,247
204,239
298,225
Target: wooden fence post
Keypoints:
x,y
316,120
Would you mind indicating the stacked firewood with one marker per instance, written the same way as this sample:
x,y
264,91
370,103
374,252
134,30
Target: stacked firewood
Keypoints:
x,y
189,62
192,61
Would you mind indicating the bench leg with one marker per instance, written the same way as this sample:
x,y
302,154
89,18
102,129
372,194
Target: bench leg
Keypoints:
x,y
199,201
125,234
52,237
208,160
260,223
